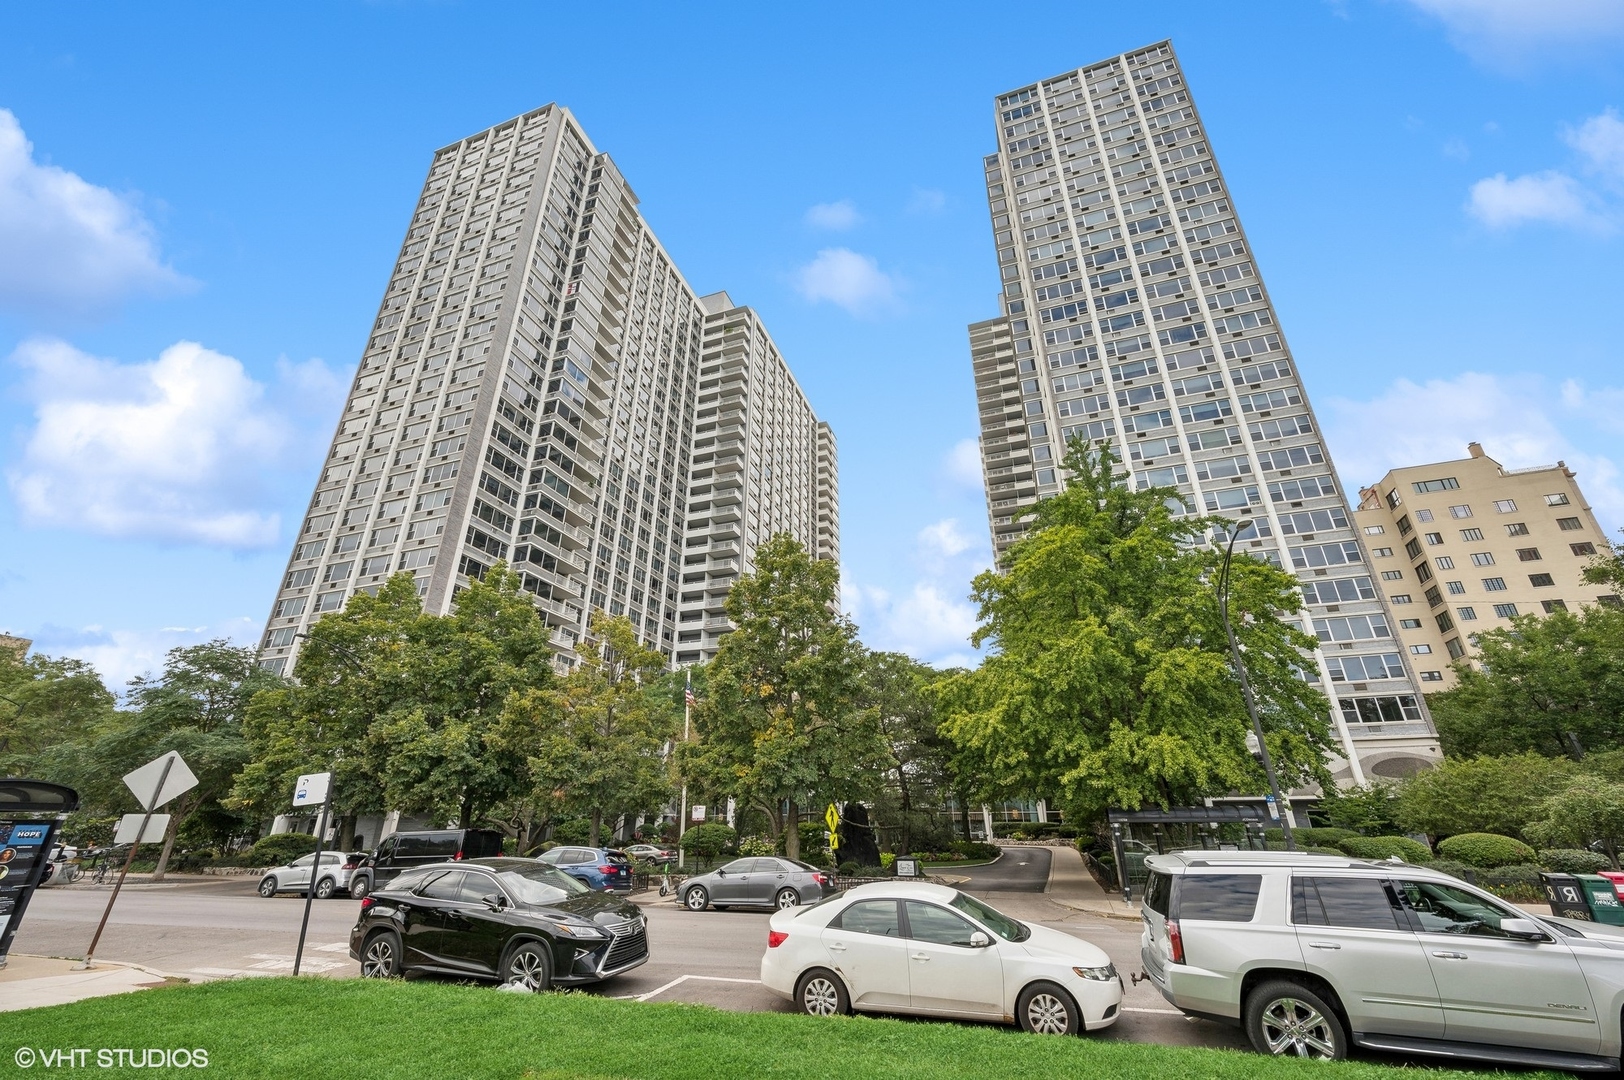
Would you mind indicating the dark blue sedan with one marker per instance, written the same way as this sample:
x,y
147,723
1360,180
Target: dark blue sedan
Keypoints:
x,y
600,869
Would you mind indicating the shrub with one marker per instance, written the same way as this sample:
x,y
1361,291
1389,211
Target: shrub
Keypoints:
x,y
1385,847
281,848
1455,869
976,850
757,845
848,868
1573,861
1311,836
708,840
190,862
1517,883
572,831
886,859
1485,850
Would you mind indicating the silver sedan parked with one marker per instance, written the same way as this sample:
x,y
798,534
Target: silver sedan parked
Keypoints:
x,y
757,882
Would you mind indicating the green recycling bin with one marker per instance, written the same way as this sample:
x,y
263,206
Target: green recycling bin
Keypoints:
x,y
1602,898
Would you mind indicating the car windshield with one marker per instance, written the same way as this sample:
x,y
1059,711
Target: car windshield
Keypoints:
x,y
540,885
996,921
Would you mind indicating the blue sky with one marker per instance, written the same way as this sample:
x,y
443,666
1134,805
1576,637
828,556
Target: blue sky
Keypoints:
x,y
199,206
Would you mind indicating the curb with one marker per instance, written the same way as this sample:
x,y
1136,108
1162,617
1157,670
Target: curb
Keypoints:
x,y
154,972
1095,911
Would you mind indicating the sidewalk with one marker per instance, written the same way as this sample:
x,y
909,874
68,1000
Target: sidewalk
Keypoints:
x,y
1072,886
31,982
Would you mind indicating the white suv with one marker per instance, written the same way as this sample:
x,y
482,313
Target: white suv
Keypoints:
x,y
1311,953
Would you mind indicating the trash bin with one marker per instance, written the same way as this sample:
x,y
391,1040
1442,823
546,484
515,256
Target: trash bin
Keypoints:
x,y
1617,878
1603,899
1566,895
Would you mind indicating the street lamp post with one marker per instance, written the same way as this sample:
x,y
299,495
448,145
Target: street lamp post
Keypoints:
x,y
1246,687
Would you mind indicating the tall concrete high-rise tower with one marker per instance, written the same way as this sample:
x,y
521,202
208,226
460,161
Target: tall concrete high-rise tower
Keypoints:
x,y
530,393
1134,313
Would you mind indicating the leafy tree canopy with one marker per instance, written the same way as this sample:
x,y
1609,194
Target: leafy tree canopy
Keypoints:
x,y
1110,681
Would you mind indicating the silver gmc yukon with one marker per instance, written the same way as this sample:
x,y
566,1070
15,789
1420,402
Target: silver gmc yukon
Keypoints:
x,y
1314,953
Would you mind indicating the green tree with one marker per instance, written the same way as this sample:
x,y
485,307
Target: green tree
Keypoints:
x,y
48,707
348,674
1110,682
1539,684
1587,811
784,722
196,707
1607,568
918,767
602,728
1370,809
1485,794
450,748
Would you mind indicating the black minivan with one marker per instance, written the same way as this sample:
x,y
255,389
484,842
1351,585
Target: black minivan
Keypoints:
x,y
404,850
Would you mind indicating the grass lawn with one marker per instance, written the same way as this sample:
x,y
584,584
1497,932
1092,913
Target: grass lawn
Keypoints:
x,y
279,1028
949,865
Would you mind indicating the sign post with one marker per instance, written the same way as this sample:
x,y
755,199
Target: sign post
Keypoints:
x,y
153,784
311,790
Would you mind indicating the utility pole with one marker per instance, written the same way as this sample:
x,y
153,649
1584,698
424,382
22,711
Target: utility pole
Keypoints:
x,y
687,713
1246,688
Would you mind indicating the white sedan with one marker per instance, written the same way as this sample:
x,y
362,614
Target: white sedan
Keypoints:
x,y
913,947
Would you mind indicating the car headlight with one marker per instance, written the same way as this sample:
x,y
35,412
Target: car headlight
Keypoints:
x,y
1107,973
587,932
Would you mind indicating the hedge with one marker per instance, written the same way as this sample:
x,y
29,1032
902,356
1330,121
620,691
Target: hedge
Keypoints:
x,y
1454,869
280,848
1312,836
1573,861
1516,883
1486,850
1385,847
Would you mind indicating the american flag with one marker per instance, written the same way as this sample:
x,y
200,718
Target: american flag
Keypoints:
x,y
689,696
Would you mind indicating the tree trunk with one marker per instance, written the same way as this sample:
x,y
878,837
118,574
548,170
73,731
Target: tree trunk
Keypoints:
x,y
346,832
466,819
964,818
597,823
169,846
792,832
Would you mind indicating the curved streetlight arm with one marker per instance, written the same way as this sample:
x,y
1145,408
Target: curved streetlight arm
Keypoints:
x,y
1246,687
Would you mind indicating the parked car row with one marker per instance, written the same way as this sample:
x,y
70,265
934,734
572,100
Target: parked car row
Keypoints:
x,y
1312,954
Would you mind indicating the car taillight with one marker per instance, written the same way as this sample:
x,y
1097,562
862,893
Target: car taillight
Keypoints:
x,y
458,855
608,868
351,865
367,902
819,878
1175,942
775,938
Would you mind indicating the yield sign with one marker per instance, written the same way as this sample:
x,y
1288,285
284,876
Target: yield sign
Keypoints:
x,y
145,780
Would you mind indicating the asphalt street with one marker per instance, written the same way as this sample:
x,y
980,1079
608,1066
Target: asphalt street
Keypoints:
x,y
223,929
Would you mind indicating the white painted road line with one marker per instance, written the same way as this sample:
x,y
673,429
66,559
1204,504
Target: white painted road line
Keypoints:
x,y
680,979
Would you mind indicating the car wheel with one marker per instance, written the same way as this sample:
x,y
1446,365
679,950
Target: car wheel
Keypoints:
x,y
821,993
1288,1018
380,956
1046,1009
530,966
360,887
696,899
324,889
267,887
786,898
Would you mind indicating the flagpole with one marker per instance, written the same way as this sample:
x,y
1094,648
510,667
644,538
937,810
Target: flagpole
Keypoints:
x,y
687,711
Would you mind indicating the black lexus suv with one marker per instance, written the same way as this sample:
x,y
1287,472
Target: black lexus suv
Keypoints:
x,y
506,920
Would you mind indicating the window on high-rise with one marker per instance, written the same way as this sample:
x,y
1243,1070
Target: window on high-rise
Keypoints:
x,y
1540,580
1505,506
1569,524
1557,499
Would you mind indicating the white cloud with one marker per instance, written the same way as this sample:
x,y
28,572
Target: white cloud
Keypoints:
x,y
1512,33
1521,420
838,216
70,247
1456,149
1601,140
1550,196
119,655
927,201
849,280
175,449
933,619
962,465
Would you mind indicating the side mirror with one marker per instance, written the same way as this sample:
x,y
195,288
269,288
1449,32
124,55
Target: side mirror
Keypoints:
x,y
1524,929
978,940
721,873
495,901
